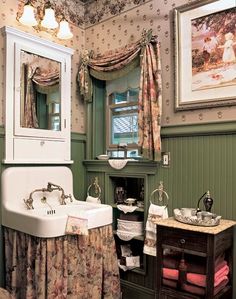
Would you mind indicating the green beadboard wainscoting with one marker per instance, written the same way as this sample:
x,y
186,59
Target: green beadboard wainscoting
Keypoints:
x,y
78,152
202,158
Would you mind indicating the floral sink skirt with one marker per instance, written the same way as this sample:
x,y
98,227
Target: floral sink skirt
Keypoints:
x,y
71,267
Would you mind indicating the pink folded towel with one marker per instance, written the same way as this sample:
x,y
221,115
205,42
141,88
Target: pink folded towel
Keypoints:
x,y
200,279
201,291
170,273
194,289
196,265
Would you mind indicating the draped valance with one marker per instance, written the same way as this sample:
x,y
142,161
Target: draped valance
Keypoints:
x,y
110,65
117,63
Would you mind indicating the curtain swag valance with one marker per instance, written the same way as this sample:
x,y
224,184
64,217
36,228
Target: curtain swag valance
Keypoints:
x,y
111,65
117,63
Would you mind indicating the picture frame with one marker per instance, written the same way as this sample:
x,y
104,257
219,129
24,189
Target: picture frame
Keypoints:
x,y
205,54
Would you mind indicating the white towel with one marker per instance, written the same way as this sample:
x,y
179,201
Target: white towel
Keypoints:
x,y
127,209
155,212
93,199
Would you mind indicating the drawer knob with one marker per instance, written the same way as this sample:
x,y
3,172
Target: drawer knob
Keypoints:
x,y
182,241
42,143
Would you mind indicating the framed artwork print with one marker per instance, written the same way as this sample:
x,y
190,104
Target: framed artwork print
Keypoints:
x,y
205,54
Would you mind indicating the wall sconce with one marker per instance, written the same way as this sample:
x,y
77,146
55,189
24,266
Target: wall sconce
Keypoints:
x,y
48,21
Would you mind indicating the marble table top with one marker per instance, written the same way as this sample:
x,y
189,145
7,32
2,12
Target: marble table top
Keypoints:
x,y
171,222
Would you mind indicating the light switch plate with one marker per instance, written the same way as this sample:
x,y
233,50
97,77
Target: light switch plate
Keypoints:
x,y
165,159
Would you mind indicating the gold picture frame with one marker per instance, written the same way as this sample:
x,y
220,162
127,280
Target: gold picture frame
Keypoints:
x,y
205,54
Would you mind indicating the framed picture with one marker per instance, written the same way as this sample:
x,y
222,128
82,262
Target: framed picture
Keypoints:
x,y
205,52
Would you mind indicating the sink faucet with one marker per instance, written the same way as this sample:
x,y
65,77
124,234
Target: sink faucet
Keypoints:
x,y
50,187
29,201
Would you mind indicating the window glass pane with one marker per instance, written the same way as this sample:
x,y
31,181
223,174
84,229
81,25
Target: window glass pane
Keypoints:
x,y
133,95
125,128
120,154
124,97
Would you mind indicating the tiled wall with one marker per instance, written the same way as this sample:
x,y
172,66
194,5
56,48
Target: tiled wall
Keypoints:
x,y
110,24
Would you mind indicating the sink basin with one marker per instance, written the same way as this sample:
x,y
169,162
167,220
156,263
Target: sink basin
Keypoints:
x,y
46,219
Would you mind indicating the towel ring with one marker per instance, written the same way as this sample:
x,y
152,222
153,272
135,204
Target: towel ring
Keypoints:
x,y
97,189
160,191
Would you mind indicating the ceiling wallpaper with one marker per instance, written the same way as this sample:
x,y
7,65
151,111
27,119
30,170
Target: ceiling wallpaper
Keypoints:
x,y
110,24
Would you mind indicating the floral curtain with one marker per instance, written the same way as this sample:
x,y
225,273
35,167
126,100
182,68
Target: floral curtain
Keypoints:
x,y
150,103
117,63
30,117
71,266
35,78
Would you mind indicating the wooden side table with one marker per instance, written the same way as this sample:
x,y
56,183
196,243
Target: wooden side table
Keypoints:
x,y
205,242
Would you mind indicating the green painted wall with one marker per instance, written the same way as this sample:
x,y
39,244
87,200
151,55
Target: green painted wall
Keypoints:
x,y
198,164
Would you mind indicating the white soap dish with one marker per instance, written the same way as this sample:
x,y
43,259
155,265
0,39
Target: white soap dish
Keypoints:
x,y
102,157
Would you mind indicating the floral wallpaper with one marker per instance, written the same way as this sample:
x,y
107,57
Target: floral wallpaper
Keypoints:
x,y
126,26
109,24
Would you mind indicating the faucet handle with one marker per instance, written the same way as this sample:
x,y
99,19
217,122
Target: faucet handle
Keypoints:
x,y
29,203
70,197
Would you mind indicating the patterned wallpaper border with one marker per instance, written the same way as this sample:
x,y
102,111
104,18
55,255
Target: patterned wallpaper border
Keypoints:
x,y
84,15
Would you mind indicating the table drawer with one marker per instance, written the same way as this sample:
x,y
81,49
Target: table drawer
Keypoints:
x,y
183,239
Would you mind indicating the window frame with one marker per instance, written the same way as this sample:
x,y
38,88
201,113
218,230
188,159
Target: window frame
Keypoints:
x,y
109,108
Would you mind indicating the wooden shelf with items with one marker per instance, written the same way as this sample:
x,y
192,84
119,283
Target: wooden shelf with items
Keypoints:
x,y
128,221
194,262
138,282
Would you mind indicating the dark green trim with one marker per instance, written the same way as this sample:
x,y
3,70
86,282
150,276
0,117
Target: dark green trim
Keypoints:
x,y
199,129
136,287
138,167
78,137
2,131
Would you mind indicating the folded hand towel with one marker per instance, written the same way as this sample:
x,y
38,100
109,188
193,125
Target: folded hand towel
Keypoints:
x,y
169,283
155,212
201,279
201,291
194,289
76,226
170,273
197,266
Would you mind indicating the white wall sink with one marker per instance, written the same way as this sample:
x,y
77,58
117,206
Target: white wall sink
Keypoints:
x,y
46,219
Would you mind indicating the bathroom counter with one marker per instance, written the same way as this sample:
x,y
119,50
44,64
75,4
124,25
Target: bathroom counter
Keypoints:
x,y
171,222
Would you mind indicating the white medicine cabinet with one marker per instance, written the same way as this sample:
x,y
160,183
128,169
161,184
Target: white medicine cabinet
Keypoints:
x,y
37,99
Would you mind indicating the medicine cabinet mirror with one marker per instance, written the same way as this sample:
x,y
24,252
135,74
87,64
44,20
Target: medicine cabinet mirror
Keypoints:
x,y
37,97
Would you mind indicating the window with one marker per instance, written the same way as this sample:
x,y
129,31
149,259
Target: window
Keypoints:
x,y
122,115
123,122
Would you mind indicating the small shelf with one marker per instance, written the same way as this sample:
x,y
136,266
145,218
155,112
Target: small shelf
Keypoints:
x,y
139,238
137,210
